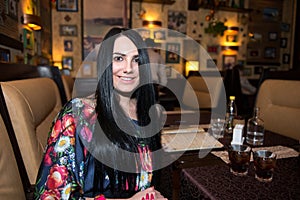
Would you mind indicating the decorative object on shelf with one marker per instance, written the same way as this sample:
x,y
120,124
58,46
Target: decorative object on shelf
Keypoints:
x,y
216,28
67,6
32,21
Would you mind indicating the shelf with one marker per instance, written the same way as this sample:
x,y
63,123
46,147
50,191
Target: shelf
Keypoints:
x,y
164,2
228,9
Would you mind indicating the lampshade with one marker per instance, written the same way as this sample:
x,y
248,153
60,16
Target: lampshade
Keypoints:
x,y
191,66
33,21
152,24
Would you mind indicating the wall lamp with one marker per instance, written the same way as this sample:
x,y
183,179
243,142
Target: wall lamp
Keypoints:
x,y
32,21
152,24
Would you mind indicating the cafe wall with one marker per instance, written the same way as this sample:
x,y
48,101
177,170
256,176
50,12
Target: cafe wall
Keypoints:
x,y
196,21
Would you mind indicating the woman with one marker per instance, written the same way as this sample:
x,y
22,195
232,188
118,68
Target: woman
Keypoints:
x,y
103,146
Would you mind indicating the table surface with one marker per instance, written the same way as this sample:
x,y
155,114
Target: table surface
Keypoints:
x,y
215,181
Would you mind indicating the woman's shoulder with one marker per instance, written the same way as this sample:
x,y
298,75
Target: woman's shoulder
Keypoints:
x,y
89,101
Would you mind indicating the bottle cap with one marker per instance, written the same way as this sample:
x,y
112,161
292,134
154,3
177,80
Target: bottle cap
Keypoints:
x,y
232,97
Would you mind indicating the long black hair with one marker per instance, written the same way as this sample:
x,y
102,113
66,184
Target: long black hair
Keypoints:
x,y
122,135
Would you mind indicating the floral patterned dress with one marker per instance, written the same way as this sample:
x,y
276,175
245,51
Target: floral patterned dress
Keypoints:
x,y
67,169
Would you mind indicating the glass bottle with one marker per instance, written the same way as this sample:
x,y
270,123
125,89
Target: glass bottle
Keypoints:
x,y
231,113
255,129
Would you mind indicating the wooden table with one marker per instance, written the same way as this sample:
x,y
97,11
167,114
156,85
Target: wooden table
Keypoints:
x,y
191,177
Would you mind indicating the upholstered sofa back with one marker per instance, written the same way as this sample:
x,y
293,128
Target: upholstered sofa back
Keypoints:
x,y
32,105
208,91
279,102
11,187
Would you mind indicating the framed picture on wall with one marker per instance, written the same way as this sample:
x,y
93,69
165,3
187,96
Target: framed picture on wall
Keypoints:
x,y
67,62
68,30
273,36
67,5
229,60
28,39
68,45
173,53
177,21
270,52
283,42
4,55
96,24
286,58
12,8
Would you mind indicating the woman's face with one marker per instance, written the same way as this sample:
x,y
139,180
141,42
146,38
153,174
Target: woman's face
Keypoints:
x,y
125,65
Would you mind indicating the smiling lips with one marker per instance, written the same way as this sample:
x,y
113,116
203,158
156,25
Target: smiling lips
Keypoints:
x,y
125,78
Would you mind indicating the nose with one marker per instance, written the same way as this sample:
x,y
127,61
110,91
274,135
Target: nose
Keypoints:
x,y
128,67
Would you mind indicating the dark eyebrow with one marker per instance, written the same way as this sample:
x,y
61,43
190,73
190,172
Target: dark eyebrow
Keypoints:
x,y
117,53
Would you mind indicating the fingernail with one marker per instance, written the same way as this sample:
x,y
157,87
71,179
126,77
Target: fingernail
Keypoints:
x,y
147,196
152,197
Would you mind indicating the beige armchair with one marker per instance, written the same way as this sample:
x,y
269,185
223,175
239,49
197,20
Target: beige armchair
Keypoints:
x,y
11,187
32,105
207,90
280,106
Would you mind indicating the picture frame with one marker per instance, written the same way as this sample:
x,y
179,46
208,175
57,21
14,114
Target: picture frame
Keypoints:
x,y
270,52
67,5
229,60
159,34
254,53
273,36
213,49
68,45
173,53
5,55
144,33
286,58
96,25
168,71
270,14
87,69
12,8
285,27
177,21
211,63
283,42
28,39
68,30
231,38
67,62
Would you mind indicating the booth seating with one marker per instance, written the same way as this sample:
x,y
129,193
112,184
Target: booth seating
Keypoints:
x,y
14,71
207,90
68,83
279,105
32,104
11,187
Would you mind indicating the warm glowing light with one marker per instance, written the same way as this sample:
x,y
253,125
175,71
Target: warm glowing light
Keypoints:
x,y
191,66
152,24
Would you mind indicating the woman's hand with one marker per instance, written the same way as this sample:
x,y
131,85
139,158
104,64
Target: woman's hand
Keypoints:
x,y
148,194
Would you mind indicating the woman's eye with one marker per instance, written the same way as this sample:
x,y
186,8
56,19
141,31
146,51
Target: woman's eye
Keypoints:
x,y
118,58
136,59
